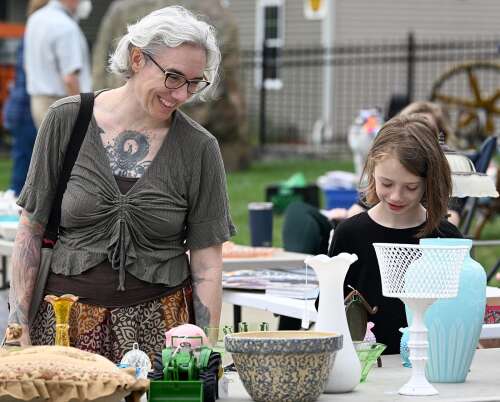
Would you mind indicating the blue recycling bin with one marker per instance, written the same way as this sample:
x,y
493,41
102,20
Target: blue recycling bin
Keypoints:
x,y
340,197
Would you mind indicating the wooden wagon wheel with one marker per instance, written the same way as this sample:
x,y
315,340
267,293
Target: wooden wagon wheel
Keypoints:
x,y
471,93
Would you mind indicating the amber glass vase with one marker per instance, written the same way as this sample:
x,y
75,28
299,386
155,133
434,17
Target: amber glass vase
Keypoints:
x,y
62,308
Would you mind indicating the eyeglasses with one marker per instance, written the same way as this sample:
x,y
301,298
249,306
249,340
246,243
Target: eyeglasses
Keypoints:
x,y
175,81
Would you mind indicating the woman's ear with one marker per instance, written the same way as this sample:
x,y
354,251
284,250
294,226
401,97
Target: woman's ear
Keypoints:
x,y
137,59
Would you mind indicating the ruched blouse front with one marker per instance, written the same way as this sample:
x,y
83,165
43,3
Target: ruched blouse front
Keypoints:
x,y
179,203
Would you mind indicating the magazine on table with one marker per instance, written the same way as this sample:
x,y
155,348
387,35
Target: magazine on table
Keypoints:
x,y
293,290
293,280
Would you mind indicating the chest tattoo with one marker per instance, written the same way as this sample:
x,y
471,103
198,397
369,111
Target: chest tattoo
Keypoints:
x,y
128,153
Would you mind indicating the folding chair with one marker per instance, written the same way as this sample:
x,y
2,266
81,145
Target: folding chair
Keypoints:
x,y
481,162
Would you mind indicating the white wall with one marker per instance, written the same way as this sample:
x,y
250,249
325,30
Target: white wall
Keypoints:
x,y
386,19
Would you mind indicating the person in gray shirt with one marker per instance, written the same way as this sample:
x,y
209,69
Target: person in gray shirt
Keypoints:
x,y
145,211
56,55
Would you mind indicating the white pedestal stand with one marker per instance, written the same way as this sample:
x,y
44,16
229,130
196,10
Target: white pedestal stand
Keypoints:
x,y
418,384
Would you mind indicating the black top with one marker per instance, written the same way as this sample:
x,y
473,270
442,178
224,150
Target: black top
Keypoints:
x,y
356,235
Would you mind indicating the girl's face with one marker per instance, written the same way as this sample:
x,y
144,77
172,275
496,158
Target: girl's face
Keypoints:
x,y
398,190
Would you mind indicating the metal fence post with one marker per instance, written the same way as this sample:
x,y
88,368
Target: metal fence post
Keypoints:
x,y
262,100
410,71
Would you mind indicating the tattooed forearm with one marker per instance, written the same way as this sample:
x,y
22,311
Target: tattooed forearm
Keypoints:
x,y
206,272
201,312
24,268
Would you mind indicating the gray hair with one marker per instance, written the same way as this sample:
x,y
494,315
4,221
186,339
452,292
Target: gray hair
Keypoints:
x,y
171,27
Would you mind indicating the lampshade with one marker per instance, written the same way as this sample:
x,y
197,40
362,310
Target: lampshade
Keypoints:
x,y
466,181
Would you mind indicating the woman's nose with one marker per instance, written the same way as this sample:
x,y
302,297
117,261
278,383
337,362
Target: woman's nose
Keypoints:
x,y
180,94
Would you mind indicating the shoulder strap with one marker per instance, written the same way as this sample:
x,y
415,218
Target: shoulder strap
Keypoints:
x,y
75,142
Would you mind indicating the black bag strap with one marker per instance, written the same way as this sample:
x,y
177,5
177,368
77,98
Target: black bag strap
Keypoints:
x,y
75,142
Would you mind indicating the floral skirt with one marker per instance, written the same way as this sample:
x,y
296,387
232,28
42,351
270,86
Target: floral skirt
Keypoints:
x,y
111,332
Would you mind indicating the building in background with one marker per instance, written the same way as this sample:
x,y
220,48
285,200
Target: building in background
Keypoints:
x,y
369,63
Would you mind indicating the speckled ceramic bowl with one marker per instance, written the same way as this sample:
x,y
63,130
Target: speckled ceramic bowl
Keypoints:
x,y
283,366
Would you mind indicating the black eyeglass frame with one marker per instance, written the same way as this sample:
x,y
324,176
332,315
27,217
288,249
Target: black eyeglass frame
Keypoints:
x,y
171,74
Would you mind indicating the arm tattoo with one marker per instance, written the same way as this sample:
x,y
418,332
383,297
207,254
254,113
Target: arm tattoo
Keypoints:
x,y
24,268
206,274
201,312
127,153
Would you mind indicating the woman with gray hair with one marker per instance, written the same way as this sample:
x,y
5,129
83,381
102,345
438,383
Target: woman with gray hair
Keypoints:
x,y
145,211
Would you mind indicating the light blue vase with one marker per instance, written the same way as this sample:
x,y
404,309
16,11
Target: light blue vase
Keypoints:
x,y
454,325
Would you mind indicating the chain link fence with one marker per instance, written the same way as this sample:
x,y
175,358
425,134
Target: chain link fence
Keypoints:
x,y
286,107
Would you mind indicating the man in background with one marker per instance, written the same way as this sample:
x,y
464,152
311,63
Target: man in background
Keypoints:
x,y
56,54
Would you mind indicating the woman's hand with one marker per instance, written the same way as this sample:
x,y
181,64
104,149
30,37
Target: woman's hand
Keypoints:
x,y
206,271
25,262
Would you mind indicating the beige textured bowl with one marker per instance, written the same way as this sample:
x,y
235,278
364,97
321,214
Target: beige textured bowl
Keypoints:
x,y
283,366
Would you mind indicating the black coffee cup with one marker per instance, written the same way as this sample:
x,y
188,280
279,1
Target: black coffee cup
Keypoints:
x,y
260,216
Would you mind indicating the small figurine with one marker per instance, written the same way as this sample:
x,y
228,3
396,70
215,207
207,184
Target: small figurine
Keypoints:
x,y
137,359
370,336
13,335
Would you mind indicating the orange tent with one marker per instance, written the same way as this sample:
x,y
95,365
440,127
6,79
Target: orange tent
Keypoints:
x,y
8,30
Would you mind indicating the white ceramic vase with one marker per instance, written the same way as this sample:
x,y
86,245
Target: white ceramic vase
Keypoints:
x,y
331,272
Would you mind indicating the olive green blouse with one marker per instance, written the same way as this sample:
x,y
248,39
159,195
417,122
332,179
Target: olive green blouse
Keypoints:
x,y
179,203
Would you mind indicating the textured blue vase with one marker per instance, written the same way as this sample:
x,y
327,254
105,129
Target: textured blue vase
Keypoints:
x,y
455,324
404,349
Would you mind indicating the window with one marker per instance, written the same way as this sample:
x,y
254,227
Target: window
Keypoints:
x,y
269,29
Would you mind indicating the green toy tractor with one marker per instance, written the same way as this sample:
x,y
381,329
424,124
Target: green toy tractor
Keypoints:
x,y
185,373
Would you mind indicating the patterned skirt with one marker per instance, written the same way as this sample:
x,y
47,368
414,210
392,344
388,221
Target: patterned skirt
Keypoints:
x,y
112,332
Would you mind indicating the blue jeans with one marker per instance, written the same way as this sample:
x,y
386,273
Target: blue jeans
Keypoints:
x,y
24,136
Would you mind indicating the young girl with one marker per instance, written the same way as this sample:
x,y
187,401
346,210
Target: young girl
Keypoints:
x,y
408,187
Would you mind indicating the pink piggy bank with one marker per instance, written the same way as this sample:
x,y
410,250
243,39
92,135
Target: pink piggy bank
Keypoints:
x,y
186,330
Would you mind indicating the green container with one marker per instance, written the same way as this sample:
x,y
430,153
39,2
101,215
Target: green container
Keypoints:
x,y
368,355
175,391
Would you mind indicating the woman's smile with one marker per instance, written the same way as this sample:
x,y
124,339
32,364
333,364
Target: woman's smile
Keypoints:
x,y
165,103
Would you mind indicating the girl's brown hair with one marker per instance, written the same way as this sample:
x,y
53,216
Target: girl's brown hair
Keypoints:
x,y
413,140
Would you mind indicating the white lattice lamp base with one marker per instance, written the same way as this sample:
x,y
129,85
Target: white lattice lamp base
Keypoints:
x,y
419,275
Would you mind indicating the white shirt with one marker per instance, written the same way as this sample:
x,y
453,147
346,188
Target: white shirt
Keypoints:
x,y
54,47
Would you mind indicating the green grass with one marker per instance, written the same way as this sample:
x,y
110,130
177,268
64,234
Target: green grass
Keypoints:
x,y
5,169
249,186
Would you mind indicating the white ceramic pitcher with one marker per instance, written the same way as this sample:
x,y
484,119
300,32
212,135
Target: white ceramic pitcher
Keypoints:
x,y
331,272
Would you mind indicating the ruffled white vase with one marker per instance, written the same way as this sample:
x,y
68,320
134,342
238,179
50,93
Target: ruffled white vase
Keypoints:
x,y
331,272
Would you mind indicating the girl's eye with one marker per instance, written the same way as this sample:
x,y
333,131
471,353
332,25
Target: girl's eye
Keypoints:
x,y
412,188
386,184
